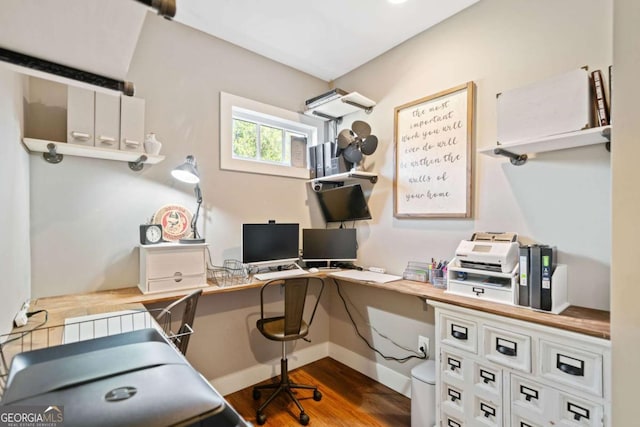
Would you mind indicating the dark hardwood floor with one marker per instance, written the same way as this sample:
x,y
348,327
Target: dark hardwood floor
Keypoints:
x,y
349,399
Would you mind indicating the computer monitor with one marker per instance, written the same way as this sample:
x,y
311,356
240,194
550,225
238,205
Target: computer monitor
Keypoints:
x,y
326,245
270,244
343,204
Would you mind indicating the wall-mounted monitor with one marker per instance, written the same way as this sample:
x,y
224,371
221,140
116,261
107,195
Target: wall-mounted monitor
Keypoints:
x,y
270,244
343,204
329,244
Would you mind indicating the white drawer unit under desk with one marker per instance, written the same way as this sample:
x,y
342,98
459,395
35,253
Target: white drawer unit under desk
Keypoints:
x,y
171,266
494,370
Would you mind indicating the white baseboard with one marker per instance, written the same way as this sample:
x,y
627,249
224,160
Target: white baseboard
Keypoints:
x,y
372,369
261,371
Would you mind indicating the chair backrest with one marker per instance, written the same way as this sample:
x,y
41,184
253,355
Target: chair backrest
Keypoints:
x,y
181,337
295,297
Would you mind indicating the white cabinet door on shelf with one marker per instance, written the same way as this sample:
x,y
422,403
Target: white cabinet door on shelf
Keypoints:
x,y
80,116
131,124
107,121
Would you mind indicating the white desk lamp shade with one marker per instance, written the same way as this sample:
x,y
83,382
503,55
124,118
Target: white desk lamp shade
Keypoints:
x,y
187,172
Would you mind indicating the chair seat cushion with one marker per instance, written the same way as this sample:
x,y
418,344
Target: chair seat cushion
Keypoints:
x,y
273,329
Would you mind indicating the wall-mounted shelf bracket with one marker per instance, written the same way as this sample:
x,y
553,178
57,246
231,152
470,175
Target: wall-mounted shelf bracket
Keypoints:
x,y
51,156
138,164
606,133
337,120
515,159
366,109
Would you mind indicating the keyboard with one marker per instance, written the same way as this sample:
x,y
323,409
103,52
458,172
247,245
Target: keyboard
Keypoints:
x,y
280,274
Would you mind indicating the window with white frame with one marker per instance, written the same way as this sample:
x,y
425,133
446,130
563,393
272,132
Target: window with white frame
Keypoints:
x,y
260,138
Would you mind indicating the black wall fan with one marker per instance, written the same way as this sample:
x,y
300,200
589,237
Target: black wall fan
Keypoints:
x,y
357,141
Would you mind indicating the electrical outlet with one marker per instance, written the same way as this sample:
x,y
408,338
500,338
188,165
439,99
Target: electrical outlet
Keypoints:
x,y
423,344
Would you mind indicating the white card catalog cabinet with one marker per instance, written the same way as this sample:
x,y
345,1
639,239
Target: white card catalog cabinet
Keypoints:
x,y
496,371
172,266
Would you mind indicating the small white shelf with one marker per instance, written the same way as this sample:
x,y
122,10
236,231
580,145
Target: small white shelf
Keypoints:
x,y
40,146
340,106
341,177
582,138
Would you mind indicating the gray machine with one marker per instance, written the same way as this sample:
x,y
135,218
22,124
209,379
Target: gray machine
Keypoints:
x,y
130,379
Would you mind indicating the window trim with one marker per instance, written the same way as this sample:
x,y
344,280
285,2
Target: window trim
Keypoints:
x,y
279,116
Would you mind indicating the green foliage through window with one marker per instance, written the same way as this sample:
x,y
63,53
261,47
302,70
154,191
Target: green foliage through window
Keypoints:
x,y
255,141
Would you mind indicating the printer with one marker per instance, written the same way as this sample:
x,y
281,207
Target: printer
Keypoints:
x,y
497,252
130,379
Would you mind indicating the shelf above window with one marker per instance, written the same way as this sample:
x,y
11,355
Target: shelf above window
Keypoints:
x,y
338,105
63,148
517,150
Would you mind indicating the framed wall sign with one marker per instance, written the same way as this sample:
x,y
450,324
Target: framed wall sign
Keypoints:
x,y
434,155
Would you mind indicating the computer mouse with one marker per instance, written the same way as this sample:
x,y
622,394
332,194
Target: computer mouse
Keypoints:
x,y
313,270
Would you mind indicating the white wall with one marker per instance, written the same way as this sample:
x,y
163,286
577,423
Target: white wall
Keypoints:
x,y
14,198
625,292
560,198
86,212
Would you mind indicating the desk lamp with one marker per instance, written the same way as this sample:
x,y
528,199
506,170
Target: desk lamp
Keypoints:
x,y
188,172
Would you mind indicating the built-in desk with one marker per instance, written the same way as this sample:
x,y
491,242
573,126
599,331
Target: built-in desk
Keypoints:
x,y
577,319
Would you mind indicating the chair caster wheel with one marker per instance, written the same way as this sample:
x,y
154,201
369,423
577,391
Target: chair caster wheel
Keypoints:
x,y
262,418
304,419
317,395
256,394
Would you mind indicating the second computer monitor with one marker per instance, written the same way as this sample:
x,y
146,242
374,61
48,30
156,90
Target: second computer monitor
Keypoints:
x,y
329,244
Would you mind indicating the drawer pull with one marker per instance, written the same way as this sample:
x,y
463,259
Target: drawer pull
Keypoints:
x,y
506,347
451,423
487,377
477,291
577,411
131,142
106,140
177,276
453,364
454,395
568,365
82,136
487,410
528,393
459,332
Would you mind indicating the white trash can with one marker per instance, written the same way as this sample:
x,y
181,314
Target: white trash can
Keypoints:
x,y
423,391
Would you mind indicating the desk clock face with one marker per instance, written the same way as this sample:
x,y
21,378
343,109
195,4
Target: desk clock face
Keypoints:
x,y
150,234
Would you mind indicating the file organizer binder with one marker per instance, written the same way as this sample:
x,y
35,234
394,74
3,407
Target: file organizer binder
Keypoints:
x,y
523,288
547,281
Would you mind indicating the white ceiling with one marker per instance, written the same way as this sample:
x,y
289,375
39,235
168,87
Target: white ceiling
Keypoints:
x,y
324,38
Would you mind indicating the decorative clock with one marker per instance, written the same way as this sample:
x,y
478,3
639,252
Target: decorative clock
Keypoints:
x,y
150,234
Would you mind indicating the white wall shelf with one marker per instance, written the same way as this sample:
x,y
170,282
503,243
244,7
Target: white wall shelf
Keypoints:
x,y
342,178
136,160
517,150
339,105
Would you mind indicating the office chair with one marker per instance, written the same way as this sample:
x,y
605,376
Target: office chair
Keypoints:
x,y
287,327
181,338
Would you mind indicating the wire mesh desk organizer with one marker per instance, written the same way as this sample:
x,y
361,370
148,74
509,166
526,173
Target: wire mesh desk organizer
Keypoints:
x,y
231,273
88,327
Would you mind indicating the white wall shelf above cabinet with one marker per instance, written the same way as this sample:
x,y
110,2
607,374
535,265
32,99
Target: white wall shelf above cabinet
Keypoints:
x,y
336,104
54,151
341,178
517,151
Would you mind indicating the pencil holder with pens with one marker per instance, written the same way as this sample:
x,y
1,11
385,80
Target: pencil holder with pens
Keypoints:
x,y
438,277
